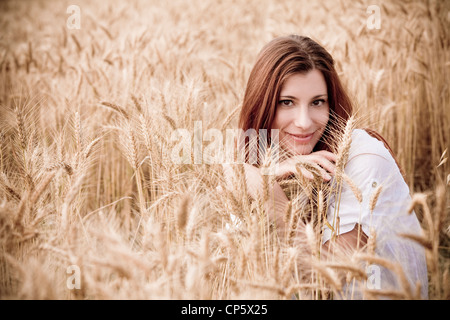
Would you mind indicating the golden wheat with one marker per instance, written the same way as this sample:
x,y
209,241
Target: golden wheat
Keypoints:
x,y
86,171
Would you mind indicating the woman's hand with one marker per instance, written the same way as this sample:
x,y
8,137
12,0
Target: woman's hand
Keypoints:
x,y
323,160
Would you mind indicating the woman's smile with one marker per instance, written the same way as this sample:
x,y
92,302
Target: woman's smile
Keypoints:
x,y
301,138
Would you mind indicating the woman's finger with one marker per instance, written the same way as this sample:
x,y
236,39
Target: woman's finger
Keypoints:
x,y
327,154
325,175
326,164
319,160
307,174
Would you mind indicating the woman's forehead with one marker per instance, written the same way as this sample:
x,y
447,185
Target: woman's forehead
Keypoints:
x,y
304,85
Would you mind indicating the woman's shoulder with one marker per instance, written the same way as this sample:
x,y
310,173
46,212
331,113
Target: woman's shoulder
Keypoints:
x,y
369,160
370,163
365,144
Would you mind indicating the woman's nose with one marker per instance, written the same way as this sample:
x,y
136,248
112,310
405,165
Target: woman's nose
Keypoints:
x,y
302,118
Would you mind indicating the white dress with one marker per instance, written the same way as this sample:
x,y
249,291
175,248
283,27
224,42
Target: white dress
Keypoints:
x,y
370,165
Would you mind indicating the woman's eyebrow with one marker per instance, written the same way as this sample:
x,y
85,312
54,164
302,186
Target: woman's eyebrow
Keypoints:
x,y
288,97
294,98
319,95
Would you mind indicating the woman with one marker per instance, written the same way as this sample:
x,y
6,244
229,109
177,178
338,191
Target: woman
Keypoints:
x,y
294,91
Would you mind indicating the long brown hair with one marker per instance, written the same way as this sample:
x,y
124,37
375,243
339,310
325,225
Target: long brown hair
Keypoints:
x,y
279,59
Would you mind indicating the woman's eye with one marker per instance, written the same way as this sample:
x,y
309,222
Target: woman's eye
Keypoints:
x,y
318,102
286,103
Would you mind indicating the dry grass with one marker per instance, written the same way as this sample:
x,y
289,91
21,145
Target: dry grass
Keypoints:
x,y
86,174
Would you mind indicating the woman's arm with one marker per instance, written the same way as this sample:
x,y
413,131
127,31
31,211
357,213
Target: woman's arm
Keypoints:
x,y
277,202
347,242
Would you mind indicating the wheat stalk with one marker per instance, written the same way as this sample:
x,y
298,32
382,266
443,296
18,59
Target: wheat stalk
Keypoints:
x,y
374,197
116,108
182,214
230,117
343,148
356,191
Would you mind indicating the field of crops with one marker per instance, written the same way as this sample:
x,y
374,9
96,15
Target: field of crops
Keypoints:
x,y
92,203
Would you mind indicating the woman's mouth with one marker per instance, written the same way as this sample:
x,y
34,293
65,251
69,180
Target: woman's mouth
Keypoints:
x,y
301,138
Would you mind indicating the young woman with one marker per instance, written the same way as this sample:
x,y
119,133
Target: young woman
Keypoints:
x,y
294,90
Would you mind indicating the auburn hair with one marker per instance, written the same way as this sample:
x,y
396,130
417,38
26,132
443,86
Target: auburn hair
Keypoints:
x,y
279,59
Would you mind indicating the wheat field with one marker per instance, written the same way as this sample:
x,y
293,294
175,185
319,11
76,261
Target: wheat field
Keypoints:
x,y
92,205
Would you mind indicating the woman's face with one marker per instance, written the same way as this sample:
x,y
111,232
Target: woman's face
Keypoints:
x,y
302,112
